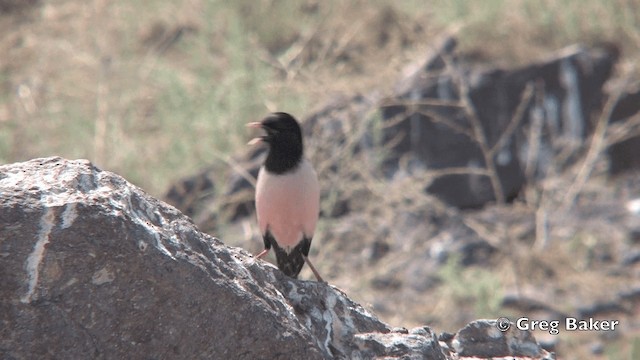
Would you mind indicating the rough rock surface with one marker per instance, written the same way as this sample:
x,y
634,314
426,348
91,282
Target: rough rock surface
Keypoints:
x,y
93,267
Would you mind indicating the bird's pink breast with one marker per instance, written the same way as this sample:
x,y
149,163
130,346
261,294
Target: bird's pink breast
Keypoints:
x,y
288,205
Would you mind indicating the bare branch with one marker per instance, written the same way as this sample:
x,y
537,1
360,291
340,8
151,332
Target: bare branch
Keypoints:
x,y
598,144
478,131
516,119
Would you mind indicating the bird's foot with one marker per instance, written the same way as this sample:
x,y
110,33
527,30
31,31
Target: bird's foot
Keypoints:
x,y
261,254
313,269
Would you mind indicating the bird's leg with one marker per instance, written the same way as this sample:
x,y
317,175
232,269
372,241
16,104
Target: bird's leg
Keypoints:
x,y
315,272
261,254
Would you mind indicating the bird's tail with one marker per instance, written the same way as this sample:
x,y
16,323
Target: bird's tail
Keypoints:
x,y
291,263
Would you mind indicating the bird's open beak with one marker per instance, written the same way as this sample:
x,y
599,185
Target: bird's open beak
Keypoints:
x,y
258,139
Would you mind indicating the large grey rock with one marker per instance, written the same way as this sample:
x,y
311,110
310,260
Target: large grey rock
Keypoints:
x,y
92,267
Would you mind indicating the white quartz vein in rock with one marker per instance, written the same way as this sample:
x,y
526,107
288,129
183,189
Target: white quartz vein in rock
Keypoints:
x,y
35,258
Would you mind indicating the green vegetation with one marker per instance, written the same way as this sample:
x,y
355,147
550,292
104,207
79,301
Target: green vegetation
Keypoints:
x,y
618,351
472,285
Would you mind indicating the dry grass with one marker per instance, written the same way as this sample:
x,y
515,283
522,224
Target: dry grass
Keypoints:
x,y
157,91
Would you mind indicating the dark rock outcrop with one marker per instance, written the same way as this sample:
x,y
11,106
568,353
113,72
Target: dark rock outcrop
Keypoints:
x,y
623,155
450,114
196,195
92,267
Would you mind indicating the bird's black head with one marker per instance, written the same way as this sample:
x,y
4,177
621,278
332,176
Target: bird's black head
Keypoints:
x,y
281,127
284,137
